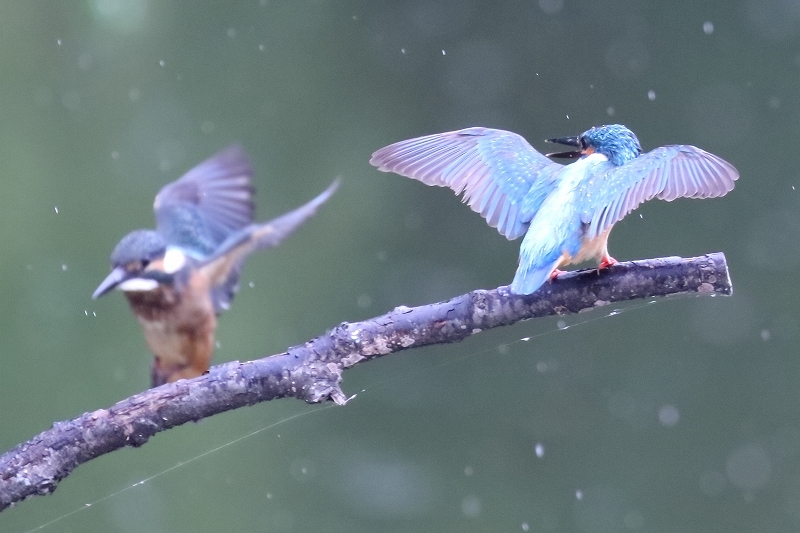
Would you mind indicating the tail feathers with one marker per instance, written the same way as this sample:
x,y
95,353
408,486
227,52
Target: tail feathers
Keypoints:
x,y
528,279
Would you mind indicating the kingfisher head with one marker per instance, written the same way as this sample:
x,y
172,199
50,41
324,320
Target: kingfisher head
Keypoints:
x,y
141,262
615,141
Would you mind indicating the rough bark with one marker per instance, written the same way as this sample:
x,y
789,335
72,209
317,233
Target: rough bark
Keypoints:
x,y
312,372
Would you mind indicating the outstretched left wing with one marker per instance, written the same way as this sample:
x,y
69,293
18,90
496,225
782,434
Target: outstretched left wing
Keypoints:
x,y
503,178
222,267
665,173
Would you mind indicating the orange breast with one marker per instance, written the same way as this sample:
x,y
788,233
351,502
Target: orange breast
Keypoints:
x,y
179,328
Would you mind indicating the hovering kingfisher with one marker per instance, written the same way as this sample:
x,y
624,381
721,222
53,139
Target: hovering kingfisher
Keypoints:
x,y
180,276
565,212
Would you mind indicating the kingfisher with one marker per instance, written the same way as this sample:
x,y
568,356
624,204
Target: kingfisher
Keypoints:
x,y
565,212
181,275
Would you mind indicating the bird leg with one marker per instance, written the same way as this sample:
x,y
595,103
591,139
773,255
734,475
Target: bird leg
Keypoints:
x,y
555,273
606,261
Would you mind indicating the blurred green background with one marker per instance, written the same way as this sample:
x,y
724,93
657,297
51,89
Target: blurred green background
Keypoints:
x,y
675,416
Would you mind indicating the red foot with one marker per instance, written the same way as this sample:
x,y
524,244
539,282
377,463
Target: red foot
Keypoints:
x,y
554,274
606,261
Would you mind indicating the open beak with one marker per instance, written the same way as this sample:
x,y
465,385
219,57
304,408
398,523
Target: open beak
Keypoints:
x,y
116,277
567,141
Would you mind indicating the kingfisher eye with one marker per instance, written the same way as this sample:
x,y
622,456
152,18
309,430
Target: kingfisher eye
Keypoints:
x,y
137,266
584,144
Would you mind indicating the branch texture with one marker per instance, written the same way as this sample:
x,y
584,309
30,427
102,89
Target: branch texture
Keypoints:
x,y
312,371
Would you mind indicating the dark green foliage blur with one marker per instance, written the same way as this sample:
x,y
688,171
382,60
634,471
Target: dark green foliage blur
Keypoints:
x,y
673,416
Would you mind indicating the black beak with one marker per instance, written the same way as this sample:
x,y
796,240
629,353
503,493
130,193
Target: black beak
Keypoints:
x,y
568,141
116,277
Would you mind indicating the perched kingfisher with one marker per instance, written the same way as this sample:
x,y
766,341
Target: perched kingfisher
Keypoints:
x,y
565,212
180,276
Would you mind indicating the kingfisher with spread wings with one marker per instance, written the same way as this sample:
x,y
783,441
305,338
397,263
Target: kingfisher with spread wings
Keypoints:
x,y
565,212
180,276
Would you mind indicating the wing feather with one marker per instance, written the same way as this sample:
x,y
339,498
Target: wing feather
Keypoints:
x,y
666,173
208,203
494,169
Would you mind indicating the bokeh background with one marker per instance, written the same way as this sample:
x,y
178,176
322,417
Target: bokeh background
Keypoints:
x,y
674,416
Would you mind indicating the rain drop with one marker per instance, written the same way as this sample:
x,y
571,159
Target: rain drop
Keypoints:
x,y
708,27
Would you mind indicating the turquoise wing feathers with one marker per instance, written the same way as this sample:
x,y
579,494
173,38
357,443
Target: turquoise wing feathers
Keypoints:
x,y
666,173
502,177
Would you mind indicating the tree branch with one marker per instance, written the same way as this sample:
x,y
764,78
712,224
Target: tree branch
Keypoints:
x,y
312,372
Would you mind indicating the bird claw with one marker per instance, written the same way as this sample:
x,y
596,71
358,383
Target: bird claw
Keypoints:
x,y
555,273
606,262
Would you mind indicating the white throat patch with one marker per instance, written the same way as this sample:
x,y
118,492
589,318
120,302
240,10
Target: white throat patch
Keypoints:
x,y
138,285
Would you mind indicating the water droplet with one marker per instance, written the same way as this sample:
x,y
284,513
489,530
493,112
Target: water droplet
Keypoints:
x,y
610,111
161,63
765,335
525,339
402,50
64,267
578,494
651,95
668,415
708,27
444,53
56,209
539,450
471,506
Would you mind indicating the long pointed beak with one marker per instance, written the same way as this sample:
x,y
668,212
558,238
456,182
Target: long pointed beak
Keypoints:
x,y
116,277
571,154
567,141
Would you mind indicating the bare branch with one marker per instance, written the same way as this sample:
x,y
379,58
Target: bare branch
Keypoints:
x,y
312,372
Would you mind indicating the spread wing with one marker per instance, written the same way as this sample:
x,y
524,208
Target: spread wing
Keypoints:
x,y
502,177
222,267
666,173
202,208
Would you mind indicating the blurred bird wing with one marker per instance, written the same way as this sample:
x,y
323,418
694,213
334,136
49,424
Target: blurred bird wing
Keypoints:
x,y
666,173
503,178
222,267
202,208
